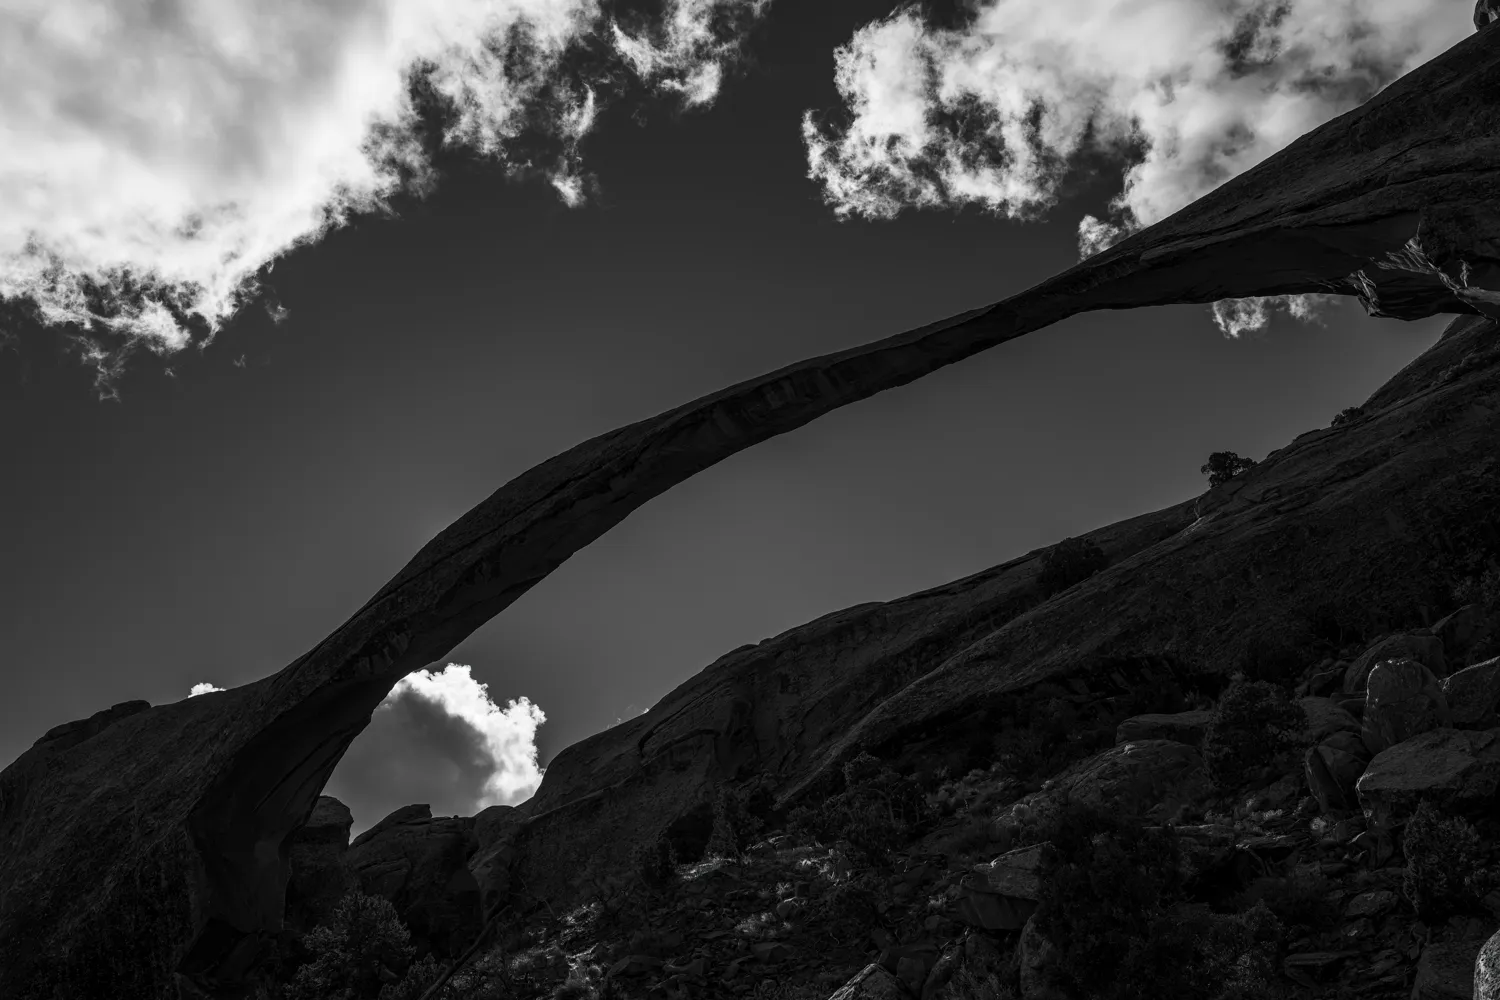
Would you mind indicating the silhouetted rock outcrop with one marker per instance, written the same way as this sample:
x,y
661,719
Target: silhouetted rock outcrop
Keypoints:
x,y
420,864
151,852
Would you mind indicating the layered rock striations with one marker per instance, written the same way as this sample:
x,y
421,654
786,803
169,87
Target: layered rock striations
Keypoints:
x,y
147,849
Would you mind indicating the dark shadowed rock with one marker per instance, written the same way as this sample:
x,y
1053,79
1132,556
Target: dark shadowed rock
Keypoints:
x,y
1332,774
1464,631
318,875
1002,894
1457,769
1446,971
1183,727
420,864
1422,647
153,853
1404,699
1324,718
1473,695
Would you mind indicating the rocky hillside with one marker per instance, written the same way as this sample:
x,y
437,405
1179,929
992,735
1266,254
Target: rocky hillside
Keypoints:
x,y
145,851
1295,677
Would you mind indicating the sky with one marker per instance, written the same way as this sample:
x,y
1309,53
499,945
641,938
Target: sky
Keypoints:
x,y
282,301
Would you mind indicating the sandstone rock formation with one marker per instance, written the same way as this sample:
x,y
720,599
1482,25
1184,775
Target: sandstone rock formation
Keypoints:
x,y
146,850
420,864
318,871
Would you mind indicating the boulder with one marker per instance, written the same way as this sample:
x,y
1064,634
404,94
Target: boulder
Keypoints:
x,y
871,983
1486,13
1146,779
1324,718
1464,631
1182,727
1446,971
1487,970
148,857
1459,769
1473,694
420,864
1404,699
1331,777
1002,895
1426,649
318,873
1350,743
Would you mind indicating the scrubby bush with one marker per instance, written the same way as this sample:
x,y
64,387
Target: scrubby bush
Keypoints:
x,y
1070,561
1254,726
1446,864
1275,659
1347,414
363,947
1222,466
1300,899
1481,588
1112,902
878,810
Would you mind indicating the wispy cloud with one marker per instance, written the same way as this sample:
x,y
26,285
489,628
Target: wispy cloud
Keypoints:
x,y
438,738
1183,94
155,158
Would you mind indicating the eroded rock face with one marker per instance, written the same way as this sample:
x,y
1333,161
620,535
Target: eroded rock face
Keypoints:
x,y
318,873
175,870
420,864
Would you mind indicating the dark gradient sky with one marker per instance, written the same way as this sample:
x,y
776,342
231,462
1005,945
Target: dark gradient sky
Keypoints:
x,y
214,525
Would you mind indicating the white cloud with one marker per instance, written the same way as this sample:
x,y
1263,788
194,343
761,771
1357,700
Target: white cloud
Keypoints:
x,y
154,157
1184,93
203,688
438,738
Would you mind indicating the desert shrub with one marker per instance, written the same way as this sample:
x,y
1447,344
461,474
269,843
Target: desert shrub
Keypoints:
x,y
878,810
1112,902
1481,588
1275,660
1299,899
1347,414
1222,466
1195,952
1070,561
363,947
1446,869
1254,726
1106,879
848,908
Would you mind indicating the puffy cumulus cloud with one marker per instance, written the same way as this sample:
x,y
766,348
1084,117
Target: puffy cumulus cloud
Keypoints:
x,y
1184,94
155,157
438,738
203,688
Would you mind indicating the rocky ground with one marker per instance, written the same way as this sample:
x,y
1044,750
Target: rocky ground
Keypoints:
x,y
931,885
